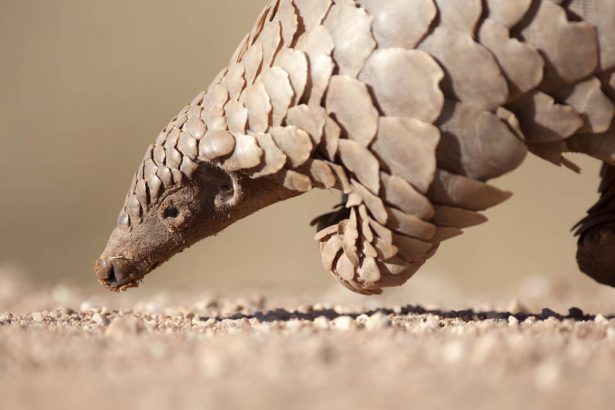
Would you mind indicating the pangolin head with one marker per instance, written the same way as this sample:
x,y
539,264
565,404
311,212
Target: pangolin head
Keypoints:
x,y
186,188
197,207
152,230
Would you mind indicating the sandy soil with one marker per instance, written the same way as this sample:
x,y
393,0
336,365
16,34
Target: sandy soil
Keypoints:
x,y
62,350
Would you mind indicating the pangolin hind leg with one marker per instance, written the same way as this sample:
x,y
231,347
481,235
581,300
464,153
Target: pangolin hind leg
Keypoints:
x,y
596,244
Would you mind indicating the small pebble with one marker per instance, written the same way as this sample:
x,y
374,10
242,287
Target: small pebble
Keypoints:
x,y
344,323
483,348
171,311
342,310
601,320
320,307
548,313
322,322
152,308
377,321
430,323
100,319
362,319
547,375
294,324
575,312
262,327
453,352
124,326
62,295
202,322
305,309
37,317
87,306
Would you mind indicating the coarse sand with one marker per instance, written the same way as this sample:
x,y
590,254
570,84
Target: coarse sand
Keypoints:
x,y
62,349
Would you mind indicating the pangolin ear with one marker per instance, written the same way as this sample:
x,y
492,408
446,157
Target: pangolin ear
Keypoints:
x,y
228,192
224,186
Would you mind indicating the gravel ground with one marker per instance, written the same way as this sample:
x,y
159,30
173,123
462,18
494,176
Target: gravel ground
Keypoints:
x,y
62,350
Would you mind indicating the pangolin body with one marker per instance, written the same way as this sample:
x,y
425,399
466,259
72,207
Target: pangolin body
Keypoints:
x,y
408,107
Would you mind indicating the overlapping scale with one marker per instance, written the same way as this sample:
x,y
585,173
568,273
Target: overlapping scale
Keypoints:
x,y
349,102
294,142
591,103
406,83
400,194
321,173
457,217
216,144
312,12
372,201
281,94
289,21
452,44
236,117
410,225
318,45
270,40
476,143
246,154
406,147
252,62
600,14
400,23
362,163
351,29
521,63
295,63
257,101
273,157
310,119
544,120
294,180
549,30
463,192
234,81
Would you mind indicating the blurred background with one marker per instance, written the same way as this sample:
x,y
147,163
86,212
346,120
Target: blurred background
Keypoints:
x,y
86,85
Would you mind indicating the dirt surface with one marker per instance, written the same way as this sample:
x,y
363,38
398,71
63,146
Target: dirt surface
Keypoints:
x,y
61,349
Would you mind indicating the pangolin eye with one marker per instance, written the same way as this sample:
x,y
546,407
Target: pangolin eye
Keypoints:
x,y
170,212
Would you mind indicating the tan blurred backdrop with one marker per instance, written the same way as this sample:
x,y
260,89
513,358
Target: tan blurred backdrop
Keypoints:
x,y
86,85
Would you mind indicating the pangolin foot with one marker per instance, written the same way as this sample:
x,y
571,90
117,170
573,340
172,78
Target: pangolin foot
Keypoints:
x,y
596,253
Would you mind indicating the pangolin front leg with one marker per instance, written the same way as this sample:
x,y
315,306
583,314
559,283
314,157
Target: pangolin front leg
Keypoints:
x,y
596,245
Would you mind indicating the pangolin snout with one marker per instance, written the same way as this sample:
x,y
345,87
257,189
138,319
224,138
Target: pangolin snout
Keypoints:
x,y
116,273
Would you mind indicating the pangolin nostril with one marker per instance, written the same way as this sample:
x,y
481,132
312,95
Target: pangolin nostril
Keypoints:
x,y
111,271
119,271
111,274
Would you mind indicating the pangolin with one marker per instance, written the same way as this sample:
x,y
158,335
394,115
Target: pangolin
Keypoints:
x,y
408,107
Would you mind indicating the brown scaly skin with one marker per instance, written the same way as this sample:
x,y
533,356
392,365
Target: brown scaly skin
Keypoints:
x,y
199,207
596,246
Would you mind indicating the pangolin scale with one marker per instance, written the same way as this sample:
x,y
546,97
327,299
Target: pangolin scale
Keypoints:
x,y
408,107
